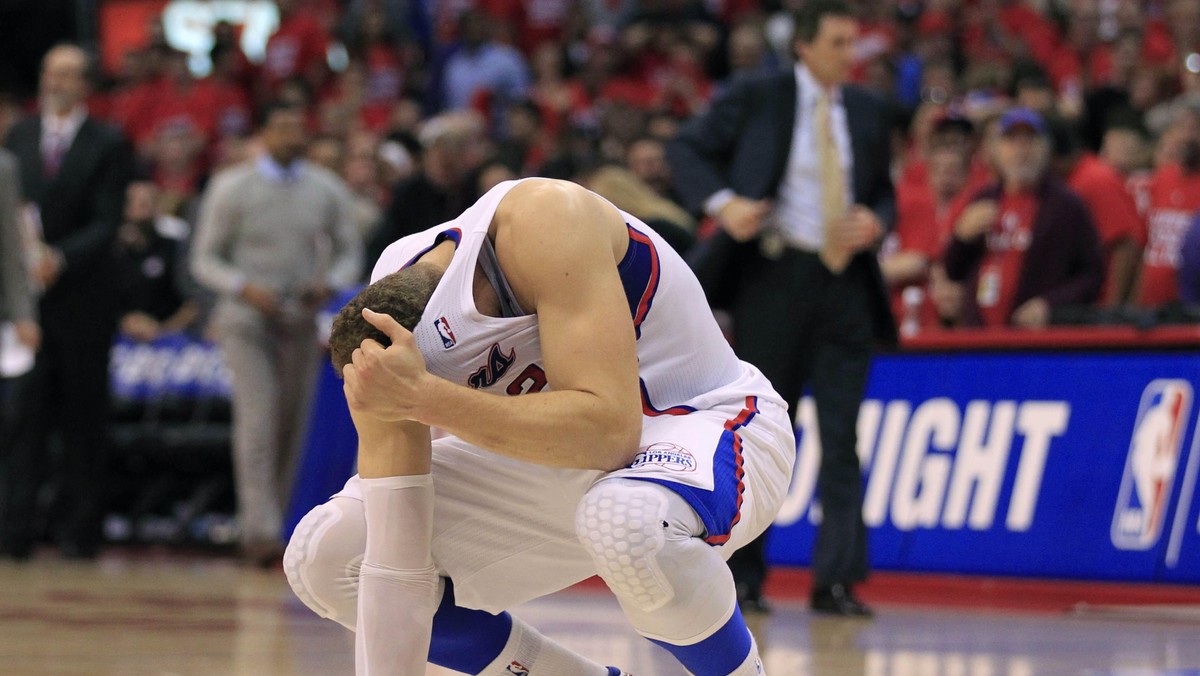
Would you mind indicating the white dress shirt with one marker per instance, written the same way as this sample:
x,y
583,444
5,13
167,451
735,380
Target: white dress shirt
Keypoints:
x,y
277,173
797,215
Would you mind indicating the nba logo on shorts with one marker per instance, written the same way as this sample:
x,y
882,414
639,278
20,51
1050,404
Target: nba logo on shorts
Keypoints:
x,y
1151,464
444,332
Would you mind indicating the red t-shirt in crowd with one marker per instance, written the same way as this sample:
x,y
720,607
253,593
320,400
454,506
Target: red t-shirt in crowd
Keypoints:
x,y
1158,47
1001,268
189,108
1018,22
874,40
921,228
915,176
1112,206
294,49
534,21
1070,69
1174,201
226,105
1138,187
132,108
385,73
148,108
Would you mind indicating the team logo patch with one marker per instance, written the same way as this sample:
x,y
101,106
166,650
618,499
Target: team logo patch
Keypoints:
x,y
518,669
497,365
444,332
1151,464
665,455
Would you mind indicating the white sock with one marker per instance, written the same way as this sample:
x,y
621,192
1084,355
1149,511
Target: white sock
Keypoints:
x,y
398,589
530,653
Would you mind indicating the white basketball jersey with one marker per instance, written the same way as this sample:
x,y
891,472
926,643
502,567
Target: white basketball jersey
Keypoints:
x,y
713,429
684,360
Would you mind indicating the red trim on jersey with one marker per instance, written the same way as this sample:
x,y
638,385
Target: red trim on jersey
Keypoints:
x,y
741,420
652,285
745,416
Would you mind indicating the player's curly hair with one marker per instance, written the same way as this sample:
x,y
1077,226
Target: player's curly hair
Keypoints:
x,y
403,295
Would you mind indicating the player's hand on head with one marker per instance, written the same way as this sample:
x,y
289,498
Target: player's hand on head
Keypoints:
x,y
386,382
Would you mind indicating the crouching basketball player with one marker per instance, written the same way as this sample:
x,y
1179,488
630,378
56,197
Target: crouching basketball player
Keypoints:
x,y
599,424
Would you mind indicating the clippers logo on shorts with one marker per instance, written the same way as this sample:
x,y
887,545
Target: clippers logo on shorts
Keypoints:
x,y
1151,464
665,455
489,374
518,669
443,330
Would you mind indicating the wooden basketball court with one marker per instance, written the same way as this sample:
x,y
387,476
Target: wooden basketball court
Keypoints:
x,y
161,615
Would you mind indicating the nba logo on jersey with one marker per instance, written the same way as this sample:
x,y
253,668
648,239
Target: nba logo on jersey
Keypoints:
x,y
444,332
518,669
1151,464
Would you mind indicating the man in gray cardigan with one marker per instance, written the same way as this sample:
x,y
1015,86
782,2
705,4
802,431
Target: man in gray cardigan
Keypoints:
x,y
276,236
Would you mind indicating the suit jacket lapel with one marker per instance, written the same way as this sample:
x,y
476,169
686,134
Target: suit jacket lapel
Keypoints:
x,y
76,153
858,149
785,126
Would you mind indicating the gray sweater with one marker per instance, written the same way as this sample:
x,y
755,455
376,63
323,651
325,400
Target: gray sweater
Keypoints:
x,y
287,236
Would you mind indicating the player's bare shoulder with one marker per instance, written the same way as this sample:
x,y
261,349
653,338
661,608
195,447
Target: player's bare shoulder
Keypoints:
x,y
551,236
539,213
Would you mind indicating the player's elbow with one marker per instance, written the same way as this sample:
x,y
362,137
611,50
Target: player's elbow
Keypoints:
x,y
622,436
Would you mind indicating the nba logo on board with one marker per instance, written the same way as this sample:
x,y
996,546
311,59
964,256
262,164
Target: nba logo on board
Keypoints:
x,y
444,332
1151,465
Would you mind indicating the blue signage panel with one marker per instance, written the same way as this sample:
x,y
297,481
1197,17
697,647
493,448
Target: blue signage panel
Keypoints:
x,y
1051,465
173,365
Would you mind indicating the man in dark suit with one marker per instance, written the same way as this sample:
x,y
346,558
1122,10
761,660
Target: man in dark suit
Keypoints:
x,y
73,169
794,166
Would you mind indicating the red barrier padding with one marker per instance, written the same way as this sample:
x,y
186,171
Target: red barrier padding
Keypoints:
x,y
1056,338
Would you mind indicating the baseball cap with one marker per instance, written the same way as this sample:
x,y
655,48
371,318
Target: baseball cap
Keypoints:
x,y
953,119
1023,118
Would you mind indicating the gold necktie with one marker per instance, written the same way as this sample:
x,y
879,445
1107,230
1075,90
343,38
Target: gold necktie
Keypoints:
x,y
833,179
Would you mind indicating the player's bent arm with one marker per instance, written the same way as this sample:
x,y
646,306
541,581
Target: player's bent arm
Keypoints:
x,y
397,582
387,448
557,246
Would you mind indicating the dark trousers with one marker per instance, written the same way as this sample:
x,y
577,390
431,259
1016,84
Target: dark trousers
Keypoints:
x,y
804,326
67,391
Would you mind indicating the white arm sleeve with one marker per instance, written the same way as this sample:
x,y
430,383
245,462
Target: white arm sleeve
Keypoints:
x,y
398,584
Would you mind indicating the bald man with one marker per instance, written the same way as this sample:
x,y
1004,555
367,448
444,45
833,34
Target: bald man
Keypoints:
x,y
73,171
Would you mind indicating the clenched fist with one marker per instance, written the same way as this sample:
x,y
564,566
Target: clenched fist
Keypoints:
x,y
743,218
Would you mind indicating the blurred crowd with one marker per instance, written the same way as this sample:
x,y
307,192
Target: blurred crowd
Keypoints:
x,y
420,115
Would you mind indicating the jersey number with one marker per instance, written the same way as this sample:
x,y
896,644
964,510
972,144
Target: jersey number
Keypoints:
x,y
532,379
